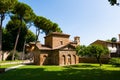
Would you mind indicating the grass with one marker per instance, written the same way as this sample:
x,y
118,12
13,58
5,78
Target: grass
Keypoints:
x,y
8,65
10,61
82,71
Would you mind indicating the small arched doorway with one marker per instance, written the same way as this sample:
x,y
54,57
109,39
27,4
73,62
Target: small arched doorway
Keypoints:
x,y
63,60
69,59
45,60
74,59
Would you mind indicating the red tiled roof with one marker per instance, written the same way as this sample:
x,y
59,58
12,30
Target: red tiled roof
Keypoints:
x,y
106,42
43,47
58,33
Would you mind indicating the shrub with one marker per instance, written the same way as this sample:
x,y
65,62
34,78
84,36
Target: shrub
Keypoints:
x,y
115,61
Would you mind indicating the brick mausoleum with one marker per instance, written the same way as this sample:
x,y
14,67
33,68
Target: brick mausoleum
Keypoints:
x,y
57,50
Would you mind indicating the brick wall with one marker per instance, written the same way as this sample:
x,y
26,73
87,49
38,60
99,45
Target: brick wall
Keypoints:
x,y
93,60
68,58
56,40
48,41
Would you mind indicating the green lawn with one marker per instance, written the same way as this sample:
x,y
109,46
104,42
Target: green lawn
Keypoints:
x,y
10,61
82,71
8,65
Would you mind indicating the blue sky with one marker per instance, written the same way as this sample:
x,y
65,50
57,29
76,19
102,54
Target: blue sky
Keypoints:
x,y
89,19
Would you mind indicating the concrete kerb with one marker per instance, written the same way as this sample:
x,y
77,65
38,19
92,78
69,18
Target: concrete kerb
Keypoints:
x,y
14,67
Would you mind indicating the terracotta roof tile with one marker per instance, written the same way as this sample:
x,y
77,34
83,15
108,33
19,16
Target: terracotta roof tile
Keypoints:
x,y
58,33
106,42
43,47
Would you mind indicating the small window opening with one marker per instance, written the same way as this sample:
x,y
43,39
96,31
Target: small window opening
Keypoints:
x,y
61,42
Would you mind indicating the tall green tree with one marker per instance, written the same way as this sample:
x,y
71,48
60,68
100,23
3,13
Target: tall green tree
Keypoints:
x,y
12,28
24,13
93,50
10,33
6,6
9,38
81,50
97,51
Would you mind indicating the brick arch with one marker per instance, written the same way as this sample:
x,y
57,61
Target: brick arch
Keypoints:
x,y
69,60
45,61
74,59
63,60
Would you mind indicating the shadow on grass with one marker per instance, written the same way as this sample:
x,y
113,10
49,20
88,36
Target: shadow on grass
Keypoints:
x,y
59,73
82,66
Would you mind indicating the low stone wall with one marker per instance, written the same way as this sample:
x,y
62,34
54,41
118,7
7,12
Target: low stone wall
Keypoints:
x,y
93,60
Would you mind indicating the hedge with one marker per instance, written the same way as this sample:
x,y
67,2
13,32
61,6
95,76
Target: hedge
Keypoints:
x,y
115,61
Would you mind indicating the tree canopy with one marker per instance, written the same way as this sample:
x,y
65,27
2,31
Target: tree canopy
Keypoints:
x,y
6,6
23,13
92,50
114,39
113,2
97,51
10,33
46,25
22,16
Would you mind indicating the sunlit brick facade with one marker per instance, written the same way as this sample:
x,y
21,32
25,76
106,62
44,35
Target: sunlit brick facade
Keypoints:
x,y
57,50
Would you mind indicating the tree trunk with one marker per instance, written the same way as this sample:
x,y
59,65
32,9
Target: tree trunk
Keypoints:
x,y
16,42
2,16
25,42
99,60
37,34
23,50
1,40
